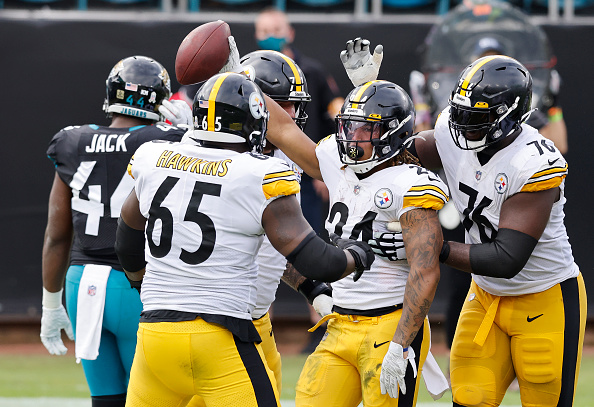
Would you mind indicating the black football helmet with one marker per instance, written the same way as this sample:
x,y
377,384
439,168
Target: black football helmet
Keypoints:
x,y
280,78
230,108
493,98
136,86
389,115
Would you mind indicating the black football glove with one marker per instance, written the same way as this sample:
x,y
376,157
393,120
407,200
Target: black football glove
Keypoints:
x,y
360,251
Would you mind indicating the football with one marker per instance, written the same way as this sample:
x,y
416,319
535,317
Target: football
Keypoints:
x,y
203,52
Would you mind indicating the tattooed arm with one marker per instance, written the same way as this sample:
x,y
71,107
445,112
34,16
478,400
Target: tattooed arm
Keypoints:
x,y
423,239
292,278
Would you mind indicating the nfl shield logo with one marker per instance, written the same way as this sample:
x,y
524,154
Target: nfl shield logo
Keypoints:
x,y
478,175
92,290
357,189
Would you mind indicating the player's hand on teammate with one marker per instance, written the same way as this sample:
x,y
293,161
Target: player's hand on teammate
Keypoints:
x,y
389,245
233,60
177,112
360,251
394,369
53,320
360,65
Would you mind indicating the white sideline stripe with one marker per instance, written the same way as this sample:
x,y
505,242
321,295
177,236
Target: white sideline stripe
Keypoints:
x,y
72,402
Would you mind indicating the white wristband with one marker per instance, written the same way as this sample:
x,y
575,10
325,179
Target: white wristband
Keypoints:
x,y
51,300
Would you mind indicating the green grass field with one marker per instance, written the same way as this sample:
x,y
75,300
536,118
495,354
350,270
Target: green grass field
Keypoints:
x,y
44,376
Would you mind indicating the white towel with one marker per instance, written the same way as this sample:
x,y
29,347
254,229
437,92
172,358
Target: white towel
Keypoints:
x,y
435,381
89,315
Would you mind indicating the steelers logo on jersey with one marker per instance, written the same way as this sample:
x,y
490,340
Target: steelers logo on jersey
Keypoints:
x,y
383,198
501,183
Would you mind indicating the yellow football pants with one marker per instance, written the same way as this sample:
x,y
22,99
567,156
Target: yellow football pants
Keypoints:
x,y
345,367
176,360
273,358
536,337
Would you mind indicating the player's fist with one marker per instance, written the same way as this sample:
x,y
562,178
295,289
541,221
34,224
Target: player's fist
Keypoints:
x,y
361,252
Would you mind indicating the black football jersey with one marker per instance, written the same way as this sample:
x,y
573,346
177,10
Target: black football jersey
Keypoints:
x,y
93,161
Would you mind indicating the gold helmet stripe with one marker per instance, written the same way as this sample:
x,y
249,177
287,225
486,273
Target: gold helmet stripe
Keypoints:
x,y
212,101
298,81
360,93
472,72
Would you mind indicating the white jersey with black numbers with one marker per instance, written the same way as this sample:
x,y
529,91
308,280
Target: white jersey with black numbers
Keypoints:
x,y
271,263
530,163
204,208
360,207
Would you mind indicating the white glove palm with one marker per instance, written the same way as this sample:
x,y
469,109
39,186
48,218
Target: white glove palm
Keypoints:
x,y
53,320
323,304
360,65
394,370
177,112
233,60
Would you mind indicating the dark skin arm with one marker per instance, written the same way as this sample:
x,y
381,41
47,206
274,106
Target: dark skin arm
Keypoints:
x,y
286,227
58,237
526,212
422,237
284,133
427,150
131,215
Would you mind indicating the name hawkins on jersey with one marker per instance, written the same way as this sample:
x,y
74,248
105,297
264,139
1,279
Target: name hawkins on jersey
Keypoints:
x,y
193,164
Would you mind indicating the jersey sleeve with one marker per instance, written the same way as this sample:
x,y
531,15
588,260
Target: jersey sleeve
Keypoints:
x,y
537,166
279,180
549,174
426,191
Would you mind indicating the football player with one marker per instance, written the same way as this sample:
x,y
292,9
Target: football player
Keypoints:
x,y
373,183
205,203
90,185
525,313
279,77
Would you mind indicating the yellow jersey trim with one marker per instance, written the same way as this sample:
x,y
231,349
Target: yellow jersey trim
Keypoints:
x,y
281,188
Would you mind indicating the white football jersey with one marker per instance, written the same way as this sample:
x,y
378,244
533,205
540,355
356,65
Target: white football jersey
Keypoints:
x,y
530,163
360,207
272,264
204,208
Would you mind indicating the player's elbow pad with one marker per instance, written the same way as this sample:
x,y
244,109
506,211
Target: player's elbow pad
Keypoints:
x,y
318,260
505,257
129,246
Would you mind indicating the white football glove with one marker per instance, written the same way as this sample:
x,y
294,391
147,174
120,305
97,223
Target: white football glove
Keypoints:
x,y
360,65
233,60
177,112
53,320
323,304
394,370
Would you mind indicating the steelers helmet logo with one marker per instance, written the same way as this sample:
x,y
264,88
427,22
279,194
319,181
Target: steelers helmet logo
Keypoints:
x,y
352,153
257,105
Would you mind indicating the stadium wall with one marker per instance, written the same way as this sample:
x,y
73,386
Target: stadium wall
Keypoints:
x,y
54,74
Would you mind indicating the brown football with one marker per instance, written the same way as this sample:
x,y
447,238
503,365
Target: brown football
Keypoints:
x,y
203,52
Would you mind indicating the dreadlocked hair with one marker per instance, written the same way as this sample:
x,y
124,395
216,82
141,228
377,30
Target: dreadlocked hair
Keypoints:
x,y
405,157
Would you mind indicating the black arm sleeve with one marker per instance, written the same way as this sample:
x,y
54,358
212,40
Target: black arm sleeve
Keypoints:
x,y
505,257
318,260
129,247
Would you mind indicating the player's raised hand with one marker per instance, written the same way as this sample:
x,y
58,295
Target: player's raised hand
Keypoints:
x,y
177,112
360,65
233,60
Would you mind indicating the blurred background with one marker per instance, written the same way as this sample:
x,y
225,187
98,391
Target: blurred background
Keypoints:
x,y
56,55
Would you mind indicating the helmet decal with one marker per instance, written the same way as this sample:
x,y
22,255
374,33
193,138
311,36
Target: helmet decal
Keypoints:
x,y
212,97
465,86
256,106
